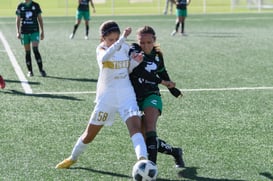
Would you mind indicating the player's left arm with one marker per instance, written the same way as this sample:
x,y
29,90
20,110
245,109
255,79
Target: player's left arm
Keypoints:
x,y
41,24
170,84
93,6
163,74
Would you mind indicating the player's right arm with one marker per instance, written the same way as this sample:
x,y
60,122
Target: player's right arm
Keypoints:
x,y
18,29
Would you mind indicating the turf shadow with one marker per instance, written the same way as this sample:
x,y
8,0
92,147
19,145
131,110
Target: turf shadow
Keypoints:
x,y
48,96
102,172
114,174
73,79
191,173
19,82
267,175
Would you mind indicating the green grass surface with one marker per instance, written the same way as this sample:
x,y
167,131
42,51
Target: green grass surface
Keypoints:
x,y
226,133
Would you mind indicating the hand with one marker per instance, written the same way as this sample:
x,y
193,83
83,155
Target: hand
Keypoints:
x,y
127,32
18,35
137,57
42,35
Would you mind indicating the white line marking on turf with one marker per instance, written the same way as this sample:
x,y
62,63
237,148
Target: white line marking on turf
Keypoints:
x,y
17,68
165,90
228,89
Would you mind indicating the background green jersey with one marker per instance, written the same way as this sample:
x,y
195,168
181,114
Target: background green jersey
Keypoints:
x,y
28,13
84,5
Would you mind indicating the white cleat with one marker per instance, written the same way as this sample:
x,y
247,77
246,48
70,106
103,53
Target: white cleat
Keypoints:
x,y
71,36
173,33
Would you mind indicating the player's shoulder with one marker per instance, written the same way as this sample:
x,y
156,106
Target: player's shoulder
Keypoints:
x,y
35,4
101,47
21,4
157,49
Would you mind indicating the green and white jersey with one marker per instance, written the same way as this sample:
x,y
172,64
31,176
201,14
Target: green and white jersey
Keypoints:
x,y
148,74
28,13
84,5
181,4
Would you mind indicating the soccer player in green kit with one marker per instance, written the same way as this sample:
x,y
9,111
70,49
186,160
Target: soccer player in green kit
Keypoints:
x,y
30,29
83,12
145,79
181,14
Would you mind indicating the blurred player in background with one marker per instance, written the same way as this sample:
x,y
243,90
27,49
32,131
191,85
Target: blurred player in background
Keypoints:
x,y
30,29
168,4
83,12
114,94
145,79
2,82
181,14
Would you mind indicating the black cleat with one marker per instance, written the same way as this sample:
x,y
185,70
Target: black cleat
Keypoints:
x,y
43,73
178,158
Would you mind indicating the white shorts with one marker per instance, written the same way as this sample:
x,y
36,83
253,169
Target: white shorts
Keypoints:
x,y
105,110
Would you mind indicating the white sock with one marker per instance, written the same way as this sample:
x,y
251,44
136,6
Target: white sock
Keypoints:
x,y
139,146
78,149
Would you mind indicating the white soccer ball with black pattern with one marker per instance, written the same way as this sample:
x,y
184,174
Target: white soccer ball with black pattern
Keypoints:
x,y
144,170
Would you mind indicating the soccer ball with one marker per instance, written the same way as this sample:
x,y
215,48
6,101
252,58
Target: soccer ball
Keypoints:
x,y
144,170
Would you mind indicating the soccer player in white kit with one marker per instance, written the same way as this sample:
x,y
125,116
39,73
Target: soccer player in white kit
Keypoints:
x,y
114,93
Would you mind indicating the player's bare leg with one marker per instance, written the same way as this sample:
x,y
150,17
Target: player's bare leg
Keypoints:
x,y
87,137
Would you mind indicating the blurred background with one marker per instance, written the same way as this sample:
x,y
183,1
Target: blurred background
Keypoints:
x,y
141,7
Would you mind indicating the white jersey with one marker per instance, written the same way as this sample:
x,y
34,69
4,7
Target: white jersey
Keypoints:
x,y
113,64
115,92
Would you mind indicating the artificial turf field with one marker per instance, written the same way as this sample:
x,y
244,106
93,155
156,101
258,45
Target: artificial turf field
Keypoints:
x,y
224,121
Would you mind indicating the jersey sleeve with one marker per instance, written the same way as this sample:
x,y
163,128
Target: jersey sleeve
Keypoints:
x,y
162,72
38,9
18,11
133,64
134,49
104,55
